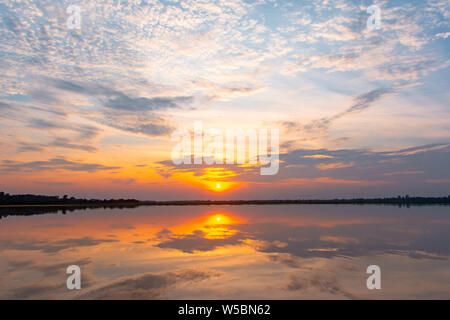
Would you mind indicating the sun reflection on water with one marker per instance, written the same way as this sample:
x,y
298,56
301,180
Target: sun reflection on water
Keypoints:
x,y
215,225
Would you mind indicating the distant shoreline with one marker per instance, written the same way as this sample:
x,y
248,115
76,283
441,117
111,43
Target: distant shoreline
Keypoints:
x,y
54,208
435,201
42,201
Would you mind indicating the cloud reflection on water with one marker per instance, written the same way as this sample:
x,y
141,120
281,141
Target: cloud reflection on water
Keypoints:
x,y
228,252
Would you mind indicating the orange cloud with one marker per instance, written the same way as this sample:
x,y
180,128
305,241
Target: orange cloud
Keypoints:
x,y
336,165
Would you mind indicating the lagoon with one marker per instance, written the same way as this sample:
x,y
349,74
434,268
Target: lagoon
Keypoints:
x,y
228,252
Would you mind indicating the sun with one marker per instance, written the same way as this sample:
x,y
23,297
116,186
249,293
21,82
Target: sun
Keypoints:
x,y
219,186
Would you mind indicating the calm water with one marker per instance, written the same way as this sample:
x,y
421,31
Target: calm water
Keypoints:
x,y
228,252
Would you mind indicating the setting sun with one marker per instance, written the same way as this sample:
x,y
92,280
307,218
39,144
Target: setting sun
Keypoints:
x,y
218,186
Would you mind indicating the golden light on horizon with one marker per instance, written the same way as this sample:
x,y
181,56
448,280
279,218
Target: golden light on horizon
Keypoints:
x,y
216,180
222,186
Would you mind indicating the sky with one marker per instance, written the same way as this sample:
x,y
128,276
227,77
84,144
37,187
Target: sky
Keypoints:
x,y
90,111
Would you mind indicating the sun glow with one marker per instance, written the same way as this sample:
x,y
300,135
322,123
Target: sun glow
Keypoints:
x,y
215,225
216,180
219,219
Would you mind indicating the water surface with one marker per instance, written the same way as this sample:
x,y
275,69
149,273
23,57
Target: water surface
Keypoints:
x,y
228,252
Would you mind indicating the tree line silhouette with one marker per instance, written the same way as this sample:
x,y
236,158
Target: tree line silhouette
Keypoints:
x,y
30,199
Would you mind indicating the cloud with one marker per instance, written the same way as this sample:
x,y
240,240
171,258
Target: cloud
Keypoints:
x,y
318,156
147,286
402,173
121,111
4,105
83,134
29,147
197,241
43,124
53,164
443,35
410,164
410,69
360,103
76,88
57,142
128,181
65,143
150,129
365,100
33,290
305,171
11,22
419,149
53,247
123,102
44,96
336,165
49,289
18,265
139,115
122,226
203,172
317,281
60,268
82,130
285,259
399,50
351,236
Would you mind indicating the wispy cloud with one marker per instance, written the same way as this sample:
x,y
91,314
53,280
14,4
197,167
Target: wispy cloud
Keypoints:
x,y
147,286
336,165
53,164
53,247
360,103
